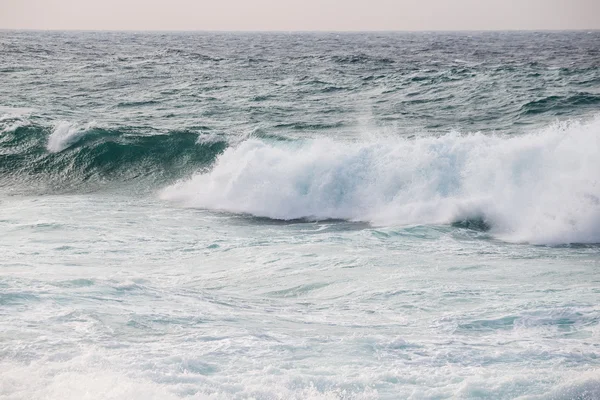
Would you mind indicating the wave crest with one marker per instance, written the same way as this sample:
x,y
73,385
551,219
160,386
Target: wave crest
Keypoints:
x,y
66,134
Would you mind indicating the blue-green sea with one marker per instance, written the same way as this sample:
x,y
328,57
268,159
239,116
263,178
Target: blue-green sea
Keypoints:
x,y
299,215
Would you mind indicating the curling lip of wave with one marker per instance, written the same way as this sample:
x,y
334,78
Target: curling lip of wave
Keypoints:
x,y
65,134
539,187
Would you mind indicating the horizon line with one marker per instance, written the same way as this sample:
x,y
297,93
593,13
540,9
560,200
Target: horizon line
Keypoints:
x,y
298,30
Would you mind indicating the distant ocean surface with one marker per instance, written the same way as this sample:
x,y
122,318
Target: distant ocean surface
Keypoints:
x,y
299,216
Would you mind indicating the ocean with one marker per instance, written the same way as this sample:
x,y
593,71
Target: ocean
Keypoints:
x,y
299,215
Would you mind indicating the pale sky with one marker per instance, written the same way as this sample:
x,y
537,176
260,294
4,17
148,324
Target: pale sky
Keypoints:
x,y
300,15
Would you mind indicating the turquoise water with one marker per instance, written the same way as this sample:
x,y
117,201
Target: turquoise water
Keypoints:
x,y
327,216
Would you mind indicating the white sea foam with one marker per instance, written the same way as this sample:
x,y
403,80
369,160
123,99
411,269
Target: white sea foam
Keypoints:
x,y
83,378
585,386
541,187
65,134
13,118
78,380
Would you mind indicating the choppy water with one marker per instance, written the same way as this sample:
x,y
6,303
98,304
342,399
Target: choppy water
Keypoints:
x,y
299,215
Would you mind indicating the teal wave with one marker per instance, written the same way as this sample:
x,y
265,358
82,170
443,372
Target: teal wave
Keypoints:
x,y
101,156
560,104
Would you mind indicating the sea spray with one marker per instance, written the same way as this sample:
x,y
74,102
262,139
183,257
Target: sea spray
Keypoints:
x,y
540,187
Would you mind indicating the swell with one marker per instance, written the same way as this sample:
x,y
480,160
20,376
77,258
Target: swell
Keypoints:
x,y
559,105
68,157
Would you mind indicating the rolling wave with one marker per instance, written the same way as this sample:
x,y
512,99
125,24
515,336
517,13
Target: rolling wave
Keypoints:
x,y
68,155
561,104
539,188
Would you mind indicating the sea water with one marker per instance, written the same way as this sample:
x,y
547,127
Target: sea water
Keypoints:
x,y
299,216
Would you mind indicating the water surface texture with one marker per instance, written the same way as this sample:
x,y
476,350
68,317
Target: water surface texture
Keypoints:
x,y
299,216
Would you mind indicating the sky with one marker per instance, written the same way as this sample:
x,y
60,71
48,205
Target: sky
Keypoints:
x,y
300,15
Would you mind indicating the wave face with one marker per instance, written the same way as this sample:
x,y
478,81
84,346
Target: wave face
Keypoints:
x,y
68,156
540,187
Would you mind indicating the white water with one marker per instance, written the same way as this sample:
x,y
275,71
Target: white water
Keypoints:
x,y
65,134
119,297
540,187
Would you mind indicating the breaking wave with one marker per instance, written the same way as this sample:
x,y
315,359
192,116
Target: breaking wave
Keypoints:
x,y
539,188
